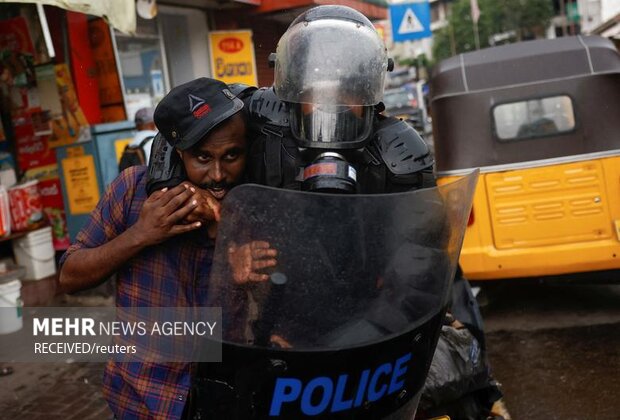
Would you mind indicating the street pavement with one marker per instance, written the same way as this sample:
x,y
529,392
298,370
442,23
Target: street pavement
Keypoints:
x,y
50,391
554,349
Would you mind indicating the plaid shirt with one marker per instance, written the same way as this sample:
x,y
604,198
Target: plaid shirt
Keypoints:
x,y
171,274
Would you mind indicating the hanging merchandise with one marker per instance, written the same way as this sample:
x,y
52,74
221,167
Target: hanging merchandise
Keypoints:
x,y
32,150
53,206
15,36
26,206
70,126
17,75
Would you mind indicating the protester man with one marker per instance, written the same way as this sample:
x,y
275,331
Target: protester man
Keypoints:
x,y
161,246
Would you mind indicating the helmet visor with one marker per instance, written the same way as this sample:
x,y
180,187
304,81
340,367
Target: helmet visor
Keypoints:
x,y
330,62
330,126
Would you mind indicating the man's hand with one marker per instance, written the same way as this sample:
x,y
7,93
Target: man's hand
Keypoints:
x,y
207,208
280,342
162,215
249,259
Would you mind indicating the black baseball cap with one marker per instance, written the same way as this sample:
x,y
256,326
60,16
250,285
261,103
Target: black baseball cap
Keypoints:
x,y
190,111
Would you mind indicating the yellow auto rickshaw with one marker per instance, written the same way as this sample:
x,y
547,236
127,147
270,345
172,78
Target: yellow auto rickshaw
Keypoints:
x,y
541,119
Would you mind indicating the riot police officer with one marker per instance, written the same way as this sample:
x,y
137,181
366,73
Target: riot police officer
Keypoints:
x,y
320,128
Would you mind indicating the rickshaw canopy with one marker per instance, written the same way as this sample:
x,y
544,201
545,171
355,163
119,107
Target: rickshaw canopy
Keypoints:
x,y
525,62
572,81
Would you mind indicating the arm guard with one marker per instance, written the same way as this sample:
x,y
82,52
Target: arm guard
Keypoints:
x,y
241,91
266,108
405,154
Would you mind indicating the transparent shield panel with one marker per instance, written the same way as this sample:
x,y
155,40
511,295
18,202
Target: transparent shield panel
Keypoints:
x,y
534,118
351,269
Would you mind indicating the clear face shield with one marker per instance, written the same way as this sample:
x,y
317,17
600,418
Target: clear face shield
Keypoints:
x,y
332,72
331,126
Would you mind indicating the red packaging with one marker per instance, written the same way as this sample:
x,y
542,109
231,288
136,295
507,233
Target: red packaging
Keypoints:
x,y
26,206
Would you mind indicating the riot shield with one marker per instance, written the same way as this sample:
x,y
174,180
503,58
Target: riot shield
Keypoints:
x,y
346,323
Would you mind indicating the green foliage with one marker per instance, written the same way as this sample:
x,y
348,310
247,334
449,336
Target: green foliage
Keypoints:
x,y
527,19
419,61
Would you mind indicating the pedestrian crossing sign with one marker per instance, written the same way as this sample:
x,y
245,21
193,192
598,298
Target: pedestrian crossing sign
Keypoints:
x,y
410,20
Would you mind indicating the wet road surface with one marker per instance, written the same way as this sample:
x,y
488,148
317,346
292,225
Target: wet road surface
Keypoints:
x,y
556,349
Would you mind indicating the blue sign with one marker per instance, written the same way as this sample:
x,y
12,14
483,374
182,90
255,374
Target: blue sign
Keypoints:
x,y
410,21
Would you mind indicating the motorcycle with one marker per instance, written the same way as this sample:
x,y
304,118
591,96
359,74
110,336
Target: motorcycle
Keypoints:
x,y
347,323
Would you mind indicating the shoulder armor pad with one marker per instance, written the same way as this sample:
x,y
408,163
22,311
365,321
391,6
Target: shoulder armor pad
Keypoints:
x,y
401,147
266,108
241,90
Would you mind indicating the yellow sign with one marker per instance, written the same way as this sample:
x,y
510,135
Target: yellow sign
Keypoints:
x,y
119,147
232,57
75,151
81,182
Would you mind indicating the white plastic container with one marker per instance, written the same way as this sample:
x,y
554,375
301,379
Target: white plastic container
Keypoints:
x,y
11,307
35,251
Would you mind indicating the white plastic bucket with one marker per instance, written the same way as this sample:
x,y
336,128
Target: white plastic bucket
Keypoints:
x,y
35,251
11,303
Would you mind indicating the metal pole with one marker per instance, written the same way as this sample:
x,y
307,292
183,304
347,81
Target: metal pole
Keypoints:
x,y
572,21
476,36
452,41
563,14
46,31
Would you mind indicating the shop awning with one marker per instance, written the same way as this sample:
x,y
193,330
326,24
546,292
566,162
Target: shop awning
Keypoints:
x,y
121,14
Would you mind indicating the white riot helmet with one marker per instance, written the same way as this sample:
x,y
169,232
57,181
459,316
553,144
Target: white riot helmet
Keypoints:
x,y
330,67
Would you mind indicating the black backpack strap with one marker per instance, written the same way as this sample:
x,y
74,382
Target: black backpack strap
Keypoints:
x,y
269,122
145,141
273,153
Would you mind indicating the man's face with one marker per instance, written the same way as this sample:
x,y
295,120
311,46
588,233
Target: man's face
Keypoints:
x,y
217,162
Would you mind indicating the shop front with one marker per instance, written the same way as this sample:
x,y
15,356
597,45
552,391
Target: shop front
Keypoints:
x,y
70,85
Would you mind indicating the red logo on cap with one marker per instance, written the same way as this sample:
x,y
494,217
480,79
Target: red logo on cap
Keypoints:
x,y
202,111
198,106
